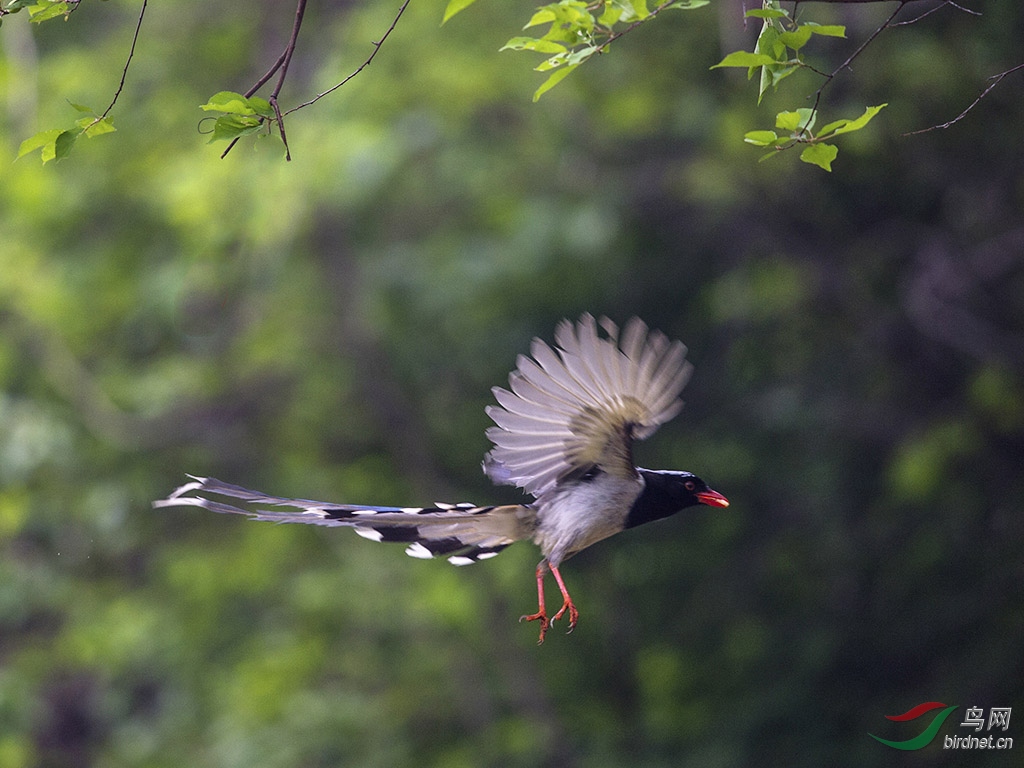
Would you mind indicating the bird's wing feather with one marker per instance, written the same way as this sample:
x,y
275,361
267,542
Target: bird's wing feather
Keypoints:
x,y
463,532
581,404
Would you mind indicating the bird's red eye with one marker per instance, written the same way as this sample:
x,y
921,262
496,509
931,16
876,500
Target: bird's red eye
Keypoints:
x,y
689,485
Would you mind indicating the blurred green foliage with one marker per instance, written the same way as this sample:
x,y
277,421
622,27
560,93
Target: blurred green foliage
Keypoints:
x,y
330,328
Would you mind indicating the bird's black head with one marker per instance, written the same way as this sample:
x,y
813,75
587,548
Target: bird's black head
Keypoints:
x,y
666,493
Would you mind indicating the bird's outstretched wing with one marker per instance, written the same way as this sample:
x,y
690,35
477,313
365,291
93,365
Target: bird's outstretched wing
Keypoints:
x,y
464,533
580,406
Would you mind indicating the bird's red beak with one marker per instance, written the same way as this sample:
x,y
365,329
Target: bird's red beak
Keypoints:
x,y
712,498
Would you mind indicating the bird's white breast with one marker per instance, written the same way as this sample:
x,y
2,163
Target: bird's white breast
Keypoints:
x,y
578,515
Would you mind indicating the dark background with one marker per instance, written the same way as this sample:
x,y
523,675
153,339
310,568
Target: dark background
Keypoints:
x,y
331,327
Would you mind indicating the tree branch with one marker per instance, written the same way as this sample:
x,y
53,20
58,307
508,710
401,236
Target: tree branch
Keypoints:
x,y
857,2
860,49
286,57
280,68
124,71
993,82
616,35
930,11
888,24
127,63
376,47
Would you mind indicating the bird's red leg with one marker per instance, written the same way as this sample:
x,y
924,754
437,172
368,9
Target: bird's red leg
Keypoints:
x,y
567,603
541,615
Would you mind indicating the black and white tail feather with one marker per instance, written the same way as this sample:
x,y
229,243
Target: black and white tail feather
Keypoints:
x,y
563,433
463,532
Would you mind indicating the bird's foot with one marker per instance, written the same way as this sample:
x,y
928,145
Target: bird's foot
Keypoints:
x,y
574,615
542,617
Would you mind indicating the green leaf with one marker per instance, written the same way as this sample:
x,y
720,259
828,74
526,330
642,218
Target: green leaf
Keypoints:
x,y
611,15
768,43
798,121
543,15
556,77
820,155
580,55
840,127
571,22
63,145
93,126
573,13
827,30
796,38
454,6
55,144
39,141
82,108
773,74
261,106
767,13
761,138
230,102
744,59
533,44
230,127
689,5
47,9
553,63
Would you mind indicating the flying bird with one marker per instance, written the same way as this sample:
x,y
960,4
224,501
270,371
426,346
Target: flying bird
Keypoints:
x,y
563,433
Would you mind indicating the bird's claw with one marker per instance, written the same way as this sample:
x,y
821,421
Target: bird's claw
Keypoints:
x,y
574,615
545,623
541,614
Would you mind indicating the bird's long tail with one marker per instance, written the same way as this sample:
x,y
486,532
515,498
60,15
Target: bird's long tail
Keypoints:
x,y
464,533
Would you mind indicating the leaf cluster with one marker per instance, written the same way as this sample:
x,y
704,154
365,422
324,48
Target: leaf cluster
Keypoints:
x,y
57,143
798,123
39,10
576,30
568,33
777,54
240,115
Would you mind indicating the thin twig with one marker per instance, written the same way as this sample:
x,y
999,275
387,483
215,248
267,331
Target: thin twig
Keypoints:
x,y
280,127
128,61
961,8
266,77
231,145
279,67
919,16
994,81
849,59
870,39
616,35
852,2
930,11
286,58
124,71
376,47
